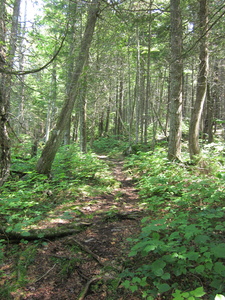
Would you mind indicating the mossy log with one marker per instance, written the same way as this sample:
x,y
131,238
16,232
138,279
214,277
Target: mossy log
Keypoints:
x,y
46,233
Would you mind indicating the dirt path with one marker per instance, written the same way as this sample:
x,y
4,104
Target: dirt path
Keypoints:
x,y
86,266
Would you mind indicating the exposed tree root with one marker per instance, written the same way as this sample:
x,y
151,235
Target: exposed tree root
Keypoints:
x,y
87,286
87,250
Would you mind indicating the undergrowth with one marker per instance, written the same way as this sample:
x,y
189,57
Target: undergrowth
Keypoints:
x,y
110,145
180,252
29,199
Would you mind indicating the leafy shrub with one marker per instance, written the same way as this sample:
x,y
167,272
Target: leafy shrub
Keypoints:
x,y
71,164
180,249
26,201
109,144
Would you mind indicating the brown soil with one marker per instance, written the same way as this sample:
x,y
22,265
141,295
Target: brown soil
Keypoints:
x,y
86,266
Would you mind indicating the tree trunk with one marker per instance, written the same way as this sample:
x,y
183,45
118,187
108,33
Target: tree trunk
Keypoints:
x,y
148,80
83,115
137,88
176,72
48,154
5,87
194,147
51,102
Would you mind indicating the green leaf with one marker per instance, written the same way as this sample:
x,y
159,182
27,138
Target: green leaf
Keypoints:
x,y
149,248
126,284
186,294
191,230
136,280
143,282
219,250
177,295
200,269
133,288
201,239
199,292
25,233
217,282
219,227
192,255
132,253
166,276
164,287
219,268
157,267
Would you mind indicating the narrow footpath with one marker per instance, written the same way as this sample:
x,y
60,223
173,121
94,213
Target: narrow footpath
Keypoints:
x,y
86,266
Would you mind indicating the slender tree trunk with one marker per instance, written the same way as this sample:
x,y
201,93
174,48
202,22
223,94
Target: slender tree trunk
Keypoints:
x,y
137,88
120,105
142,101
208,124
70,62
51,102
101,124
176,74
83,115
148,81
194,147
107,120
48,154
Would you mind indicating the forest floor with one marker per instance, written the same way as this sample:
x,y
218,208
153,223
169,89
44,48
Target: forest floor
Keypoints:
x,y
86,265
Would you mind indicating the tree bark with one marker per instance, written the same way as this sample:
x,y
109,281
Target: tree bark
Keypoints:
x,y
83,115
51,101
194,147
148,79
5,86
44,163
176,74
208,124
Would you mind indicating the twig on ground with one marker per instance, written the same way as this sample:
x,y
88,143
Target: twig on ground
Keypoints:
x,y
45,273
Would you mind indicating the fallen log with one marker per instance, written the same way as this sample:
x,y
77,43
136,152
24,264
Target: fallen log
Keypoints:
x,y
47,233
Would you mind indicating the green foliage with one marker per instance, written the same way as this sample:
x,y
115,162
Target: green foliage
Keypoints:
x,y
16,275
28,200
71,164
109,144
180,249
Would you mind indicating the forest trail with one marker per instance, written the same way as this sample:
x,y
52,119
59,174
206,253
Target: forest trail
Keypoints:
x,y
86,266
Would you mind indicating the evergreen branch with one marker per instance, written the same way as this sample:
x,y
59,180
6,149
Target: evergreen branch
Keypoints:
x,y
19,73
204,34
